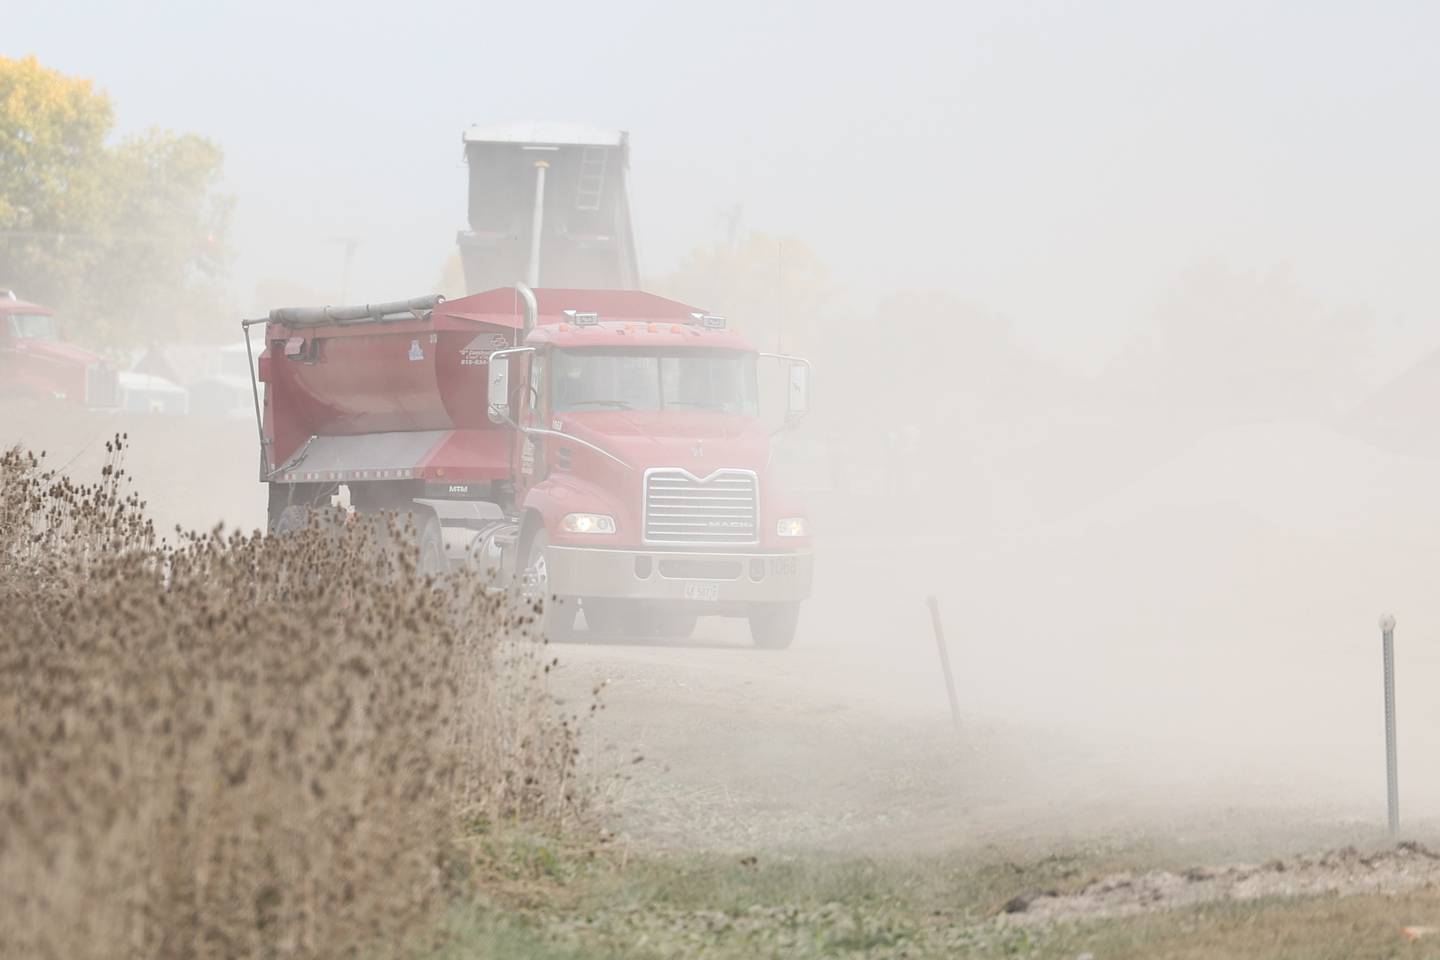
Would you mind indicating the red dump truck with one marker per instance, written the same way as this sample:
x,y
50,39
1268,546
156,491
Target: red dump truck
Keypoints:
x,y
602,448
37,361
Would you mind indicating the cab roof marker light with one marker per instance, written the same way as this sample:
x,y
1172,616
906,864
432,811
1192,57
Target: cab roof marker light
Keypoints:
x,y
582,319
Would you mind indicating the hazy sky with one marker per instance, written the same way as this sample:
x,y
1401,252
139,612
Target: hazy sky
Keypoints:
x,y
1059,163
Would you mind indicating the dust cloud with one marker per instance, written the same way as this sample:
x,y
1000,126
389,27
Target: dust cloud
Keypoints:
x,y
1125,357
1162,580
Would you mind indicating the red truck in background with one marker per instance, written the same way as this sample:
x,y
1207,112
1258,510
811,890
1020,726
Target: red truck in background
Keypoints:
x,y
37,361
604,448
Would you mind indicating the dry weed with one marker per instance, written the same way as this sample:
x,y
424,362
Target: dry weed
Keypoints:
x,y
245,746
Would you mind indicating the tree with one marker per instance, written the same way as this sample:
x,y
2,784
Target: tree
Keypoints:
x,y
163,245
52,149
127,240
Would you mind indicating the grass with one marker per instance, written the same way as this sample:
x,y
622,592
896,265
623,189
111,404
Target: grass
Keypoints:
x,y
561,901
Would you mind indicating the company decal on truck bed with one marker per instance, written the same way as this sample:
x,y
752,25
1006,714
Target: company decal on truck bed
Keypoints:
x,y
477,352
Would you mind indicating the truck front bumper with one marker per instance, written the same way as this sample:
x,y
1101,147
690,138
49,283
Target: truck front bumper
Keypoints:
x,y
698,579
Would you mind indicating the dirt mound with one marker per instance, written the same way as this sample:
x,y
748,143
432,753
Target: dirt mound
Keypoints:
x,y
1340,872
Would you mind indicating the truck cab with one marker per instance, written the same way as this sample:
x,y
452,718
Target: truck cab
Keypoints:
x,y
643,481
37,361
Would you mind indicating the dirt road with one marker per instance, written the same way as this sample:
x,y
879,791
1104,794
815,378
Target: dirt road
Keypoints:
x,y
1231,743
191,471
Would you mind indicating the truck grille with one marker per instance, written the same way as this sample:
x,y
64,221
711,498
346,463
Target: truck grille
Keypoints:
x,y
723,508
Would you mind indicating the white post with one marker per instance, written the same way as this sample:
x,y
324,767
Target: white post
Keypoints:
x,y
934,603
1392,777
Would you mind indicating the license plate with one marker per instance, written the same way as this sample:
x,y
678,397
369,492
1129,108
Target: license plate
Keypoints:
x,y
702,591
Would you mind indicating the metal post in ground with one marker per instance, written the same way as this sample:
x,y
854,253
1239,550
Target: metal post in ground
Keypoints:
x,y
934,603
1392,784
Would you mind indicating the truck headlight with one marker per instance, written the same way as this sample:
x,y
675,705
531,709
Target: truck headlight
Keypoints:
x,y
792,527
587,523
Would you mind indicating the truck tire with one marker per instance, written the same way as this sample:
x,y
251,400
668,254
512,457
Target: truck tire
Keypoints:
x,y
297,499
431,542
388,520
772,625
291,519
556,618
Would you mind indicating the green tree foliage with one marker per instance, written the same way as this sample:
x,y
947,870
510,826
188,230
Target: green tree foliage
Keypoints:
x,y
127,239
52,146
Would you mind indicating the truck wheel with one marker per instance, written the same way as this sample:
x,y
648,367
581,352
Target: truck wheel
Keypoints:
x,y
432,561
556,619
388,533
292,519
772,625
290,497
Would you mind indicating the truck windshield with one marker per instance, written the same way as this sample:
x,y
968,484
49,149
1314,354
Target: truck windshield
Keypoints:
x,y
33,326
719,380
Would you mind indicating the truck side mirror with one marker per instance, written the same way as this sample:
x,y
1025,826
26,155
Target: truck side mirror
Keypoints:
x,y
797,396
499,395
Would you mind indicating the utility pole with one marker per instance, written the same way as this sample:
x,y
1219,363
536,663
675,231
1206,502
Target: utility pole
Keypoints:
x,y
732,227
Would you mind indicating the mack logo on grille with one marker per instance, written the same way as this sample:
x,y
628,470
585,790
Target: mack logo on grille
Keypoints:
x,y
682,508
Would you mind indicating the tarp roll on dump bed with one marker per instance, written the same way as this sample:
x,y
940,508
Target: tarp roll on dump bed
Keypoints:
x,y
316,316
